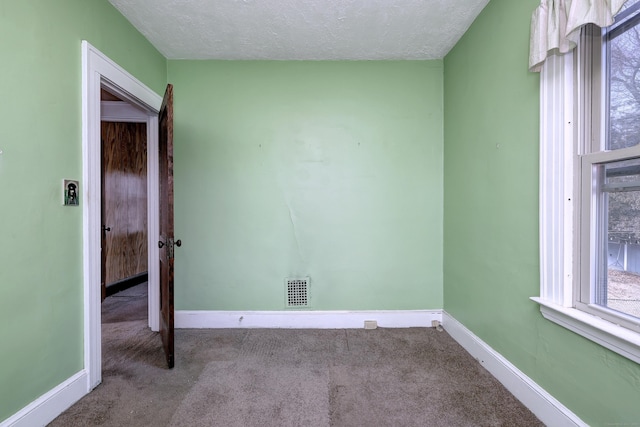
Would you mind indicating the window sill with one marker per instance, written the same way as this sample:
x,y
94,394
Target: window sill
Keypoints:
x,y
614,337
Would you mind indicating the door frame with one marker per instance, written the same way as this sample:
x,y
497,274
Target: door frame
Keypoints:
x,y
98,71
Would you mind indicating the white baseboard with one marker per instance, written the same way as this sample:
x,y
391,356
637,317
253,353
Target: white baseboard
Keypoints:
x,y
47,407
305,319
547,408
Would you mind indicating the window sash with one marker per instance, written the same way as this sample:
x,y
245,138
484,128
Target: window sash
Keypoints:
x,y
592,95
594,237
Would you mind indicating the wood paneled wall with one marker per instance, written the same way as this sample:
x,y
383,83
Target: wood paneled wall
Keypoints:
x,y
124,165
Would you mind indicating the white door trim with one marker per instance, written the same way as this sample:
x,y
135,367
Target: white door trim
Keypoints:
x,y
99,71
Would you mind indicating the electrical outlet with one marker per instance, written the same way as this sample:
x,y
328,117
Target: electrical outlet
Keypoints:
x,y
370,324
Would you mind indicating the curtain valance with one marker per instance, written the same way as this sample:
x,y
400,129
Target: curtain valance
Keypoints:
x,y
556,24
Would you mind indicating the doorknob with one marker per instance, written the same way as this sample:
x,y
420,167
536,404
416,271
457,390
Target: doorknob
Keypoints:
x,y
105,228
178,243
160,244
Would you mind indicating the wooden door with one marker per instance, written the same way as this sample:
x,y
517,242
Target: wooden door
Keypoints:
x,y
166,242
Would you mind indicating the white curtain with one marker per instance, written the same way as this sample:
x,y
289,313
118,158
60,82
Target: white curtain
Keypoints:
x,y
555,25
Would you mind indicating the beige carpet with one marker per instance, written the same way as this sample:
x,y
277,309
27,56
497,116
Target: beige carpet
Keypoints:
x,y
268,377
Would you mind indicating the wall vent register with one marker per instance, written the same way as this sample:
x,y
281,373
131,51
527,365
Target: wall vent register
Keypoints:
x,y
297,292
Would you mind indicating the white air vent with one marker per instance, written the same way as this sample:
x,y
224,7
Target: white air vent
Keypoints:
x,y
297,292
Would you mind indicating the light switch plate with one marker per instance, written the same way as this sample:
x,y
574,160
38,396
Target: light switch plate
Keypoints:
x,y
70,192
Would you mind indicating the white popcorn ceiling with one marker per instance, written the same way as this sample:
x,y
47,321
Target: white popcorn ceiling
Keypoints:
x,y
302,29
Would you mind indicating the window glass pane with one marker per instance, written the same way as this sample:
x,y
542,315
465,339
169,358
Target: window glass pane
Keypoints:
x,y
618,284
628,4
624,82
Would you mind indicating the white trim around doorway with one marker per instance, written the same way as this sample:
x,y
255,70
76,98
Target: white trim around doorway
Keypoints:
x,y
99,71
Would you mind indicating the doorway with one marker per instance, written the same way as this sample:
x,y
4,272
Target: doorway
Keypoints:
x,y
124,219
142,105
124,223
124,202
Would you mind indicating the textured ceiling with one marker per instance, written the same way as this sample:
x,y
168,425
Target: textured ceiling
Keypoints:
x,y
302,29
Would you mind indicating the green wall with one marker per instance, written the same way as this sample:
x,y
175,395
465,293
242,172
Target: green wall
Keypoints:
x,y
41,289
491,259
326,169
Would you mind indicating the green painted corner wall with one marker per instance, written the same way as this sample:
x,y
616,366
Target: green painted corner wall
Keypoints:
x,y
41,289
393,185
331,170
491,260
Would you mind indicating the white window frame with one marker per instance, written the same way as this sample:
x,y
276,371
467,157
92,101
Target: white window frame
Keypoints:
x,y
590,145
562,91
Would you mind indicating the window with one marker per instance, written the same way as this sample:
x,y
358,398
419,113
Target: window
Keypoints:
x,y
590,185
609,156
